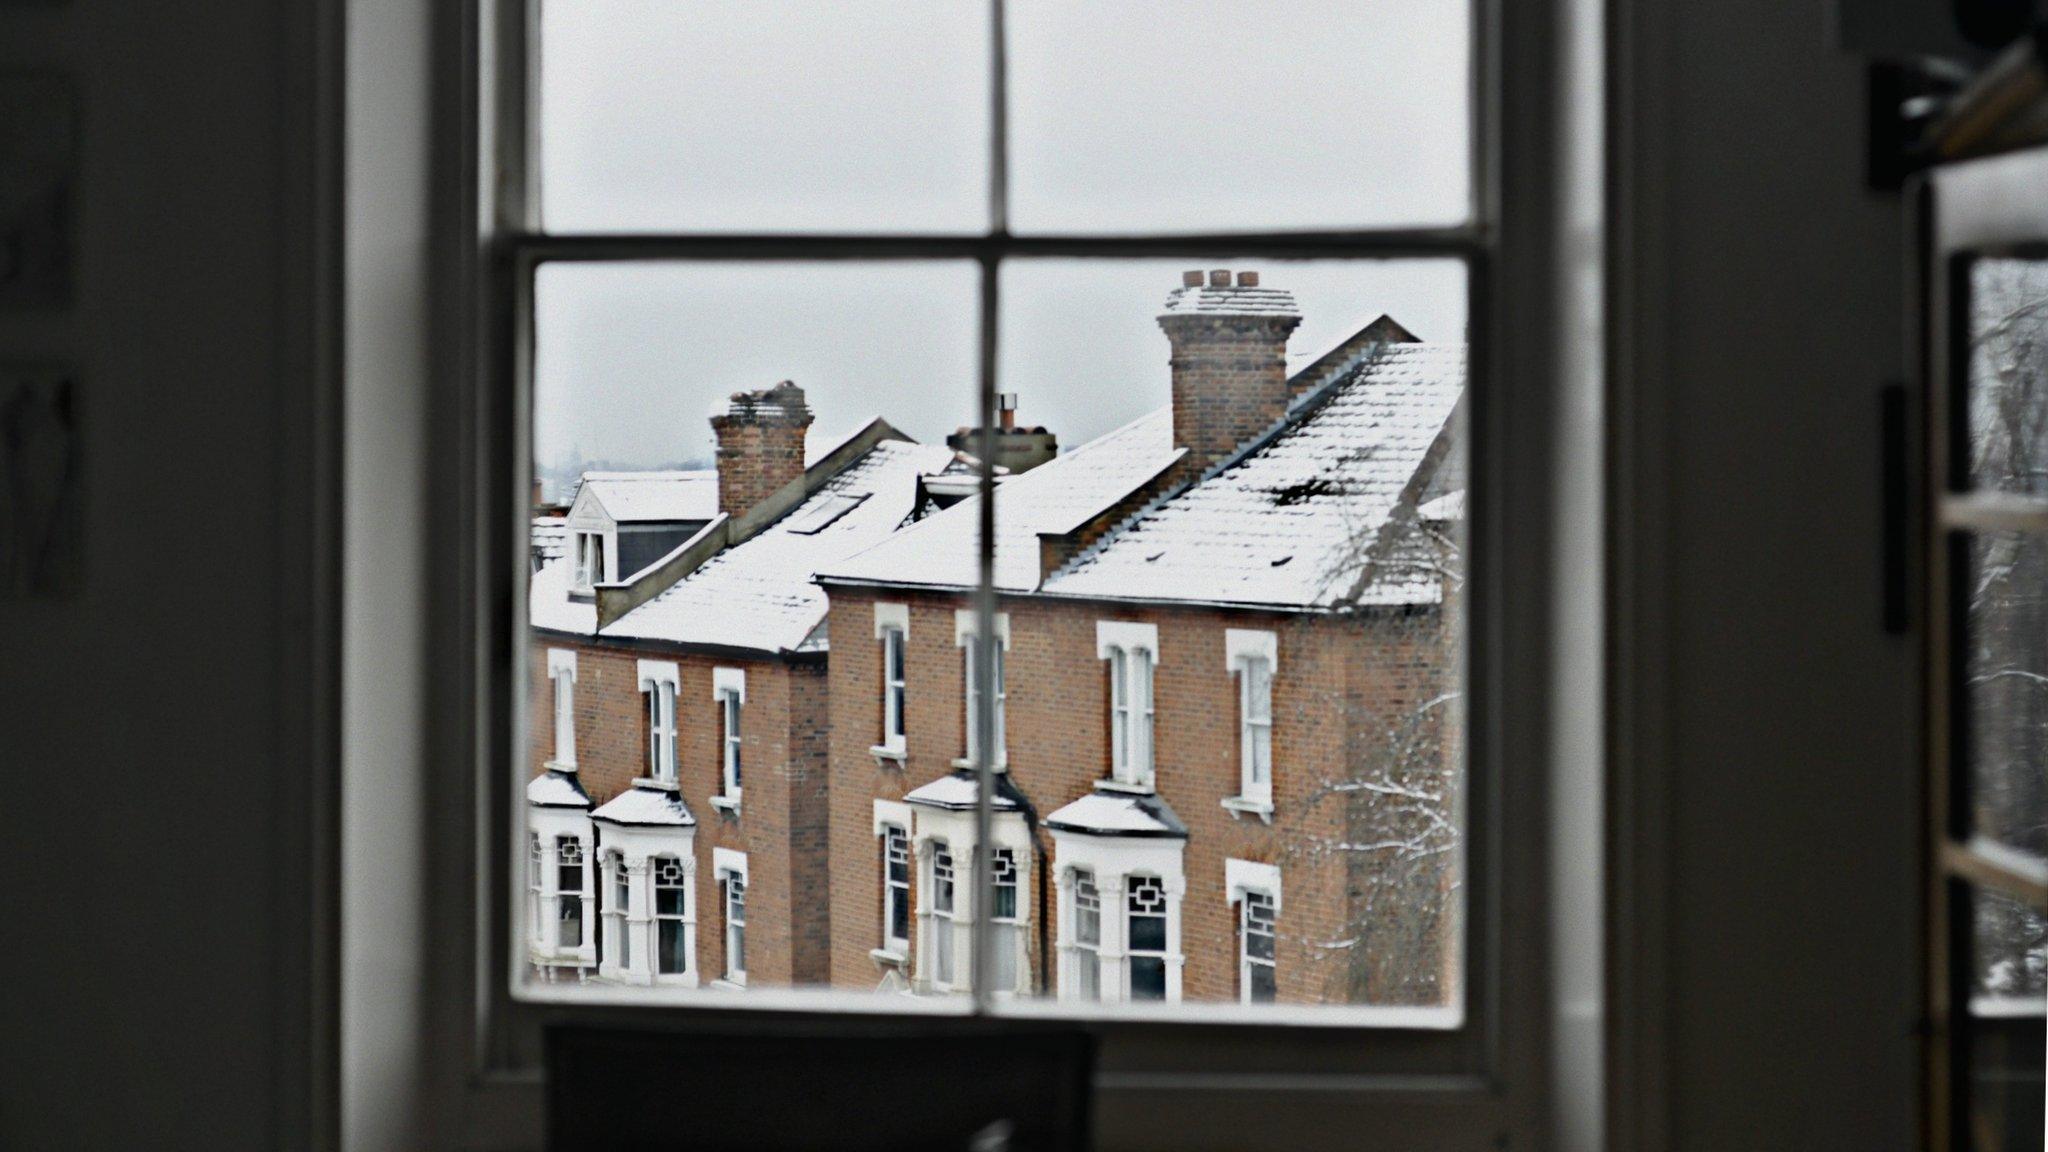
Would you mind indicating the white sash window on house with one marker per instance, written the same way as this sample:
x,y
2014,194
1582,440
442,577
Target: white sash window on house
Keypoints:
x,y
617,937
1257,975
1087,947
733,891
894,693
671,911
730,688
966,632
659,681
895,889
1006,924
570,877
1146,936
940,928
562,674
536,869
1129,651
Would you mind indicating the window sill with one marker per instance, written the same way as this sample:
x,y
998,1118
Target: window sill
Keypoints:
x,y
730,984
568,766
1121,786
1002,764
889,958
726,804
887,756
654,782
1239,805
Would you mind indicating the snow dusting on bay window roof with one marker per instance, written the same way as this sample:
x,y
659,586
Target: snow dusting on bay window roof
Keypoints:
x,y
959,791
556,789
759,594
645,806
1119,814
654,496
1289,522
1056,497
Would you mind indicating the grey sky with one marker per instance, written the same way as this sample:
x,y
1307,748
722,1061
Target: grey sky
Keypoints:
x,y
870,115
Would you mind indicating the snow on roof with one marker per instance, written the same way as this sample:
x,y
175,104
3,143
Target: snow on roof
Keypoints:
x,y
1057,496
1230,301
646,805
758,594
1450,506
1287,524
550,536
960,790
638,497
548,605
553,789
1119,814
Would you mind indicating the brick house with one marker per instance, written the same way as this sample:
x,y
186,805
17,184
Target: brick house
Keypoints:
x,y
1226,690
677,750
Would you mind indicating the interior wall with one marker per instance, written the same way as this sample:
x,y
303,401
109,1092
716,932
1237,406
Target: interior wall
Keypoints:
x,y
156,981
1765,821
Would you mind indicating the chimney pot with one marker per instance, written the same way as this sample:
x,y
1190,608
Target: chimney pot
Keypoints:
x,y
1191,279
1247,279
1219,278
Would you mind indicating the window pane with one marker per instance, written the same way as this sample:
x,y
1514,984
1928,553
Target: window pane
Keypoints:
x,y
2006,1024
2007,392
2005,688
764,116
1214,115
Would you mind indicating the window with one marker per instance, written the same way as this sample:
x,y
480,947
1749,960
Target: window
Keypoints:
x,y
671,916
590,568
617,942
1252,656
659,680
569,892
1007,948
895,889
964,633
1087,943
730,690
1130,650
731,870
1257,979
562,673
941,923
1147,937
894,696
536,867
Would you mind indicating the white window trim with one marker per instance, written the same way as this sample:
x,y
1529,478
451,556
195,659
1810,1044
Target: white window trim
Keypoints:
x,y
653,675
552,826
727,863
893,618
955,922
729,683
1113,859
1140,772
1240,877
616,962
966,629
1240,647
562,674
640,845
898,814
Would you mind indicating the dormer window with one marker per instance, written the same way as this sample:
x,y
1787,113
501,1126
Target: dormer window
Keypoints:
x,y
589,553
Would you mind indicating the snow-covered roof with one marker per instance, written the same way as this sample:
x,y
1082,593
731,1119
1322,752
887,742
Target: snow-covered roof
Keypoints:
x,y
646,805
550,536
758,594
553,789
960,790
1290,521
1102,813
1055,497
1230,300
639,497
548,605
1450,506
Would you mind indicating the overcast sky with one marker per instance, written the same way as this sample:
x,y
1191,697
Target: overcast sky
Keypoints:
x,y
777,115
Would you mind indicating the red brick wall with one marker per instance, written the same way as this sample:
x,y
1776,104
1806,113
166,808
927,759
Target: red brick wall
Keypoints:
x,y
783,774
1335,677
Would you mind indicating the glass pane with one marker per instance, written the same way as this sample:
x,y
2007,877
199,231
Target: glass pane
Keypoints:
x,y
2007,395
764,116
1215,115
2005,689
1282,438
1264,989
2008,1003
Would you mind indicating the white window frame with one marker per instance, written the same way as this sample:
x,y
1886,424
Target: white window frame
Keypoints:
x,y
1010,946
729,693
562,674
685,921
661,682
1130,652
943,962
552,827
617,950
1248,876
641,845
1112,860
966,631
896,894
892,629
589,553
729,866
1244,650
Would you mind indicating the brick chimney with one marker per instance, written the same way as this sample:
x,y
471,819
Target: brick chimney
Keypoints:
x,y
760,445
1229,360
